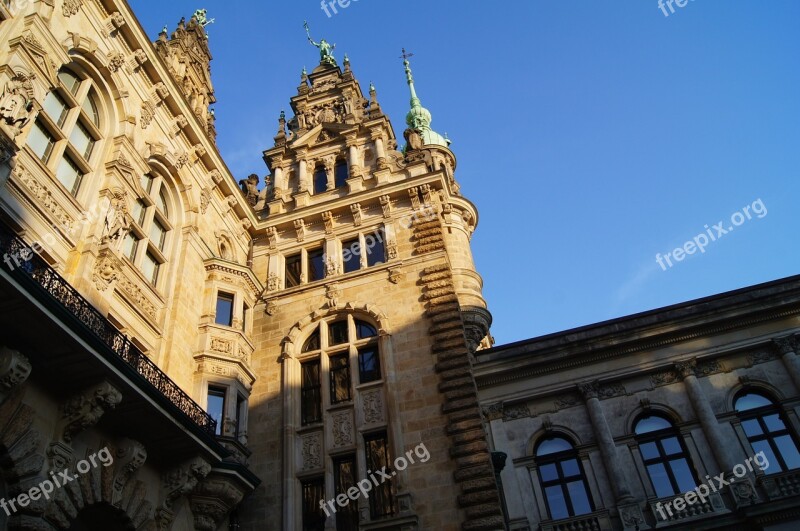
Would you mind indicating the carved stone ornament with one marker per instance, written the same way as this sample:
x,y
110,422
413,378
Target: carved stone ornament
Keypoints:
x,y
333,293
386,205
182,480
300,229
395,275
327,219
130,456
106,270
355,208
589,390
14,370
493,411
785,345
71,7
373,406
115,61
16,105
391,249
85,409
147,113
272,236
342,429
205,199
117,222
271,307
686,368
332,266
311,450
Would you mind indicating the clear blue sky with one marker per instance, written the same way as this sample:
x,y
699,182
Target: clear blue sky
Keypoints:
x,y
591,135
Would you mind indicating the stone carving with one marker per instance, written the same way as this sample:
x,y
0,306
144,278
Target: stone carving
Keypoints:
x,y
612,390
14,370
117,221
271,307
395,275
413,139
756,358
663,377
147,113
414,196
743,492
182,160
705,368
249,188
71,7
355,208
311,451
130,456
332,266
373,406
516,411
114,22
44,197
327,219
342,429
106,271
16,103
391,249
784,345
333,293
300,228
493,411
84,410
272,235
386,205
273,282
567,400
115,61
686,368
138,297
178,482
221,345
589,390
205,199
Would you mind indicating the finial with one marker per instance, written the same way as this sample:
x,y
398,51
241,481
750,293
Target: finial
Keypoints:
x,y
164,29
371,87
283,115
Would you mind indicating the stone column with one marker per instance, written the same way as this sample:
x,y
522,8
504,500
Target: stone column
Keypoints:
x,y
605,441
302,175
380,150
787,346
706,415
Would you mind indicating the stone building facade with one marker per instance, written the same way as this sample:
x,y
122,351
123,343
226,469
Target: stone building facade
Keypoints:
x,y
208,353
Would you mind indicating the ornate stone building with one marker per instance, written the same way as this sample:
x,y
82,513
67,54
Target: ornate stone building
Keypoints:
x,y
315,353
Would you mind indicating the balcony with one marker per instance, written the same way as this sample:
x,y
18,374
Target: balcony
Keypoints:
x,y
48,287
596,521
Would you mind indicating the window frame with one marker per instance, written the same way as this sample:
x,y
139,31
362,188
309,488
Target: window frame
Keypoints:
x,y
562,481
218,391
386,507
231,299
759,414
664,459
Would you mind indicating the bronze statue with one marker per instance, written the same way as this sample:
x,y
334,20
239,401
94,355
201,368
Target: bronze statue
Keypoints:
x,y
325,49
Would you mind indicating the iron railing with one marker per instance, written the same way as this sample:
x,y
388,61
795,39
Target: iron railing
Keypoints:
x,y
12,252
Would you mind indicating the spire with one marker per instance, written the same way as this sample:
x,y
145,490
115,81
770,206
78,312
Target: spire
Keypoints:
x,y
419,118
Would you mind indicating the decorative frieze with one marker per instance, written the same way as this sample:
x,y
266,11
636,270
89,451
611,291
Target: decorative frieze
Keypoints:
x,y
311,451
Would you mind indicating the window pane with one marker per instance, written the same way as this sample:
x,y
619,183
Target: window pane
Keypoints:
x,y
671,446
652,423
376,254
548,472
158,234
351,255
341,174
774,423
649,450
364,330
751,401
660,479
216,406
312,343
556,502
69,175
55,107
150,268
570,468
344,477
311,399
69,81
139,211
553,445
294,270
369,364
381,500
40,141
788,451
224,315
147,182
337,333
316,265
162,203
579,498
752,427
129,246
82,141
763,446
340,378
90,108
683,474
320,180
313,515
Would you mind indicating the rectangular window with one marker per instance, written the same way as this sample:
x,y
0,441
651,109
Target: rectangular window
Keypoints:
x,y
41,141
351,255
311,397
337,333
216,405
241,409
340,378
69,175
313,516
224,315
55,107
158,234
147,182
82,141
130,245
150,268
294,270
139,209
369,364
316,265
376,253
345,477
381,501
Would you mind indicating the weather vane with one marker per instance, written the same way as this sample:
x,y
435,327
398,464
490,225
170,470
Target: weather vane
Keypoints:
x,y
406,55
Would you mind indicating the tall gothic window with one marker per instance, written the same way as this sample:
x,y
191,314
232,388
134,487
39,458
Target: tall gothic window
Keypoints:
x,y
562,478
65,135
146,243
665,456
768,431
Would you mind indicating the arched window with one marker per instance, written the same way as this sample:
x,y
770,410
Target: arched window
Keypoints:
x,y
767,431
65,135
146,243
340,173
562,478
665,456
320,179
338,354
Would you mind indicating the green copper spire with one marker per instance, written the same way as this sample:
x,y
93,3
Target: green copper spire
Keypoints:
x,y
419,118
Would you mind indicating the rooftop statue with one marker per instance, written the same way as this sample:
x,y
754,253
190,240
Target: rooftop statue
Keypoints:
x,y
201,15
325,49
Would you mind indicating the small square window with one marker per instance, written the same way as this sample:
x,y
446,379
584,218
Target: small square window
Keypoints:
x,y
369,364
224,314
337,333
